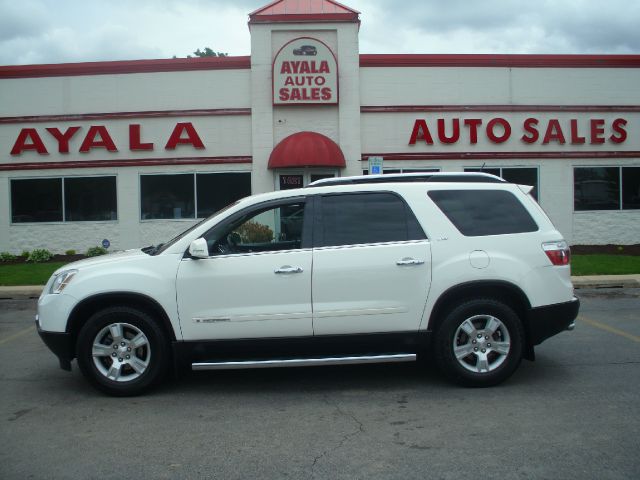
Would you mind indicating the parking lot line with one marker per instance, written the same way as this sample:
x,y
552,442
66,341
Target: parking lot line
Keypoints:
x,y
608,328
16,335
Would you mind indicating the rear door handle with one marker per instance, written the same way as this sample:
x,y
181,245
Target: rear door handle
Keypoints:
x,y
409,261
287,269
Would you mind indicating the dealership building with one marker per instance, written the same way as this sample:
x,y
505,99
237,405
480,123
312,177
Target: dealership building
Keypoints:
x,y
133,152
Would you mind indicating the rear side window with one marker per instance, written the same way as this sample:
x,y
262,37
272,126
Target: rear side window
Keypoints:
x,y
484,212
352,219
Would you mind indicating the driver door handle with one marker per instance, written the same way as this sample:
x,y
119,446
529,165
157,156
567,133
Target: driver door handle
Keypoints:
x,y
409,261
287,269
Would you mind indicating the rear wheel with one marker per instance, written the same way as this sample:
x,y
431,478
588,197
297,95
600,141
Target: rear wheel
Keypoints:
x,y
122,351
479,343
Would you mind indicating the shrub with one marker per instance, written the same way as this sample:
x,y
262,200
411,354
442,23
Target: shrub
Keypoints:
x,y
70,252
254,232
25,254
7,257
39,255
95,251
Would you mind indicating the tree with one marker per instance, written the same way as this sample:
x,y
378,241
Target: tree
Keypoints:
x,y
208,53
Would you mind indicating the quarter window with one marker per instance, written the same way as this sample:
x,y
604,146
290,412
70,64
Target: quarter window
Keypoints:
x,y
484,212
367,218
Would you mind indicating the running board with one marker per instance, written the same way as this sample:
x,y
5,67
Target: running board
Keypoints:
x,y
305,362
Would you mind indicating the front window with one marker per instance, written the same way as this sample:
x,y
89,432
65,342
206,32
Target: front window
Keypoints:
x,y
266,230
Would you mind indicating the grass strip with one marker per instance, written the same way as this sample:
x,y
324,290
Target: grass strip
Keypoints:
x,y
598,264
27,273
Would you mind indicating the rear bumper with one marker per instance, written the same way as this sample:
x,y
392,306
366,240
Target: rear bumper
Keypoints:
x,y
61,344
547,321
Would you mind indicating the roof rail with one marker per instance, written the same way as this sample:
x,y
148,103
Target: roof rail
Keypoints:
x,y
461,177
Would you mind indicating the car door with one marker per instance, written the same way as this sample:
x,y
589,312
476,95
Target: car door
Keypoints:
x,y
256,281
371,265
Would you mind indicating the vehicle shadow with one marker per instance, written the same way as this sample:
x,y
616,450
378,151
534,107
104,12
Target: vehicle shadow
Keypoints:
x,y
309,379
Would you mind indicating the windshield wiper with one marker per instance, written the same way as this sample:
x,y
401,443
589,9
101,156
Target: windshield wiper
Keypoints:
x,y
152,249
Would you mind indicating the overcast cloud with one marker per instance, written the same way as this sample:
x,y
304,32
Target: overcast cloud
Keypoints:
x,y
54,31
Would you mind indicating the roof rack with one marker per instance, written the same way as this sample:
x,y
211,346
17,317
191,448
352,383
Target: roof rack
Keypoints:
x,y
462,177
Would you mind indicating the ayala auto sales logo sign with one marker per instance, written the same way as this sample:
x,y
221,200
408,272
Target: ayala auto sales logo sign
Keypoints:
x,y
305,71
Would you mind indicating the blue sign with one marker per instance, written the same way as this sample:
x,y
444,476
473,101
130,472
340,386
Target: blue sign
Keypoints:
x,y
375,165
106,243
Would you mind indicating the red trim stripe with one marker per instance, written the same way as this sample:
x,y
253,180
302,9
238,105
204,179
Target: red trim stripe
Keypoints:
x,y
498,108
524,61
366,60
498,155
127,115
146,162
126,66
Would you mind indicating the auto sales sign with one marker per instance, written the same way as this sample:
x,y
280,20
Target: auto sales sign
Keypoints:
x,y
305,71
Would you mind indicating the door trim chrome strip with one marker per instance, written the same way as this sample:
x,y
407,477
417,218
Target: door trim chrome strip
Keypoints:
x,y
305,362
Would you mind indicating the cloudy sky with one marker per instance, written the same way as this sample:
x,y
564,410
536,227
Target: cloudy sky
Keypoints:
x,y
55,31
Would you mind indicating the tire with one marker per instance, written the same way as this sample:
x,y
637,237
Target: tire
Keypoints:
x,y
122,351
479,343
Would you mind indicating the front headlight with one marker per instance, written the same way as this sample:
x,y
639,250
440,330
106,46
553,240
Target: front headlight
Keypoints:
x,y
62,280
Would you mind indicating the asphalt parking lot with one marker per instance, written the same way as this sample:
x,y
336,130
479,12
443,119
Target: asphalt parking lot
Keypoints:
x,y
574,413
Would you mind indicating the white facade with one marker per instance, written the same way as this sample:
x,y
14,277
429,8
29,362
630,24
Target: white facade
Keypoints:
x,y
156,113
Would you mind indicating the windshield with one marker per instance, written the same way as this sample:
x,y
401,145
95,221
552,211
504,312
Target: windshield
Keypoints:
x,y
161,247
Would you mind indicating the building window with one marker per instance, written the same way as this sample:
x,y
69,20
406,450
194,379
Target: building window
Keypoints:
x,y
90,199
606,188
631,188
290,179
189,195
65,199
519,175
167,196
217,190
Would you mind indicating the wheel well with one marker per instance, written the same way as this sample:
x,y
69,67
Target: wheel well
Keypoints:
x,y
91,305
504,292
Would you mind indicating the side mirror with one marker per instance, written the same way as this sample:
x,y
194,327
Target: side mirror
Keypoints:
x,y
199,248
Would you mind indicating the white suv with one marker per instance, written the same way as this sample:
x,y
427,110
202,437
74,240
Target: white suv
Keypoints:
x,y
367,269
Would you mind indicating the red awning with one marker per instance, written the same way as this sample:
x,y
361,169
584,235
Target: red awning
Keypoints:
x,y
307,149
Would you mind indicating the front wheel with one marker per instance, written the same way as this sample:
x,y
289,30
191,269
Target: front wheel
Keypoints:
x,y
122,351
479,343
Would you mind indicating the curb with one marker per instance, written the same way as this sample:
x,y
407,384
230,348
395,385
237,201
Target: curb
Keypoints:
x,y
606,281
20,292
587,281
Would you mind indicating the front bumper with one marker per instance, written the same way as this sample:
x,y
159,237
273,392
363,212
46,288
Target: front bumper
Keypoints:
x,y
61,344
547,321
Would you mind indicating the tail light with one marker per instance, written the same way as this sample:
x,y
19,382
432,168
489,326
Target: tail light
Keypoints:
x,y
558,252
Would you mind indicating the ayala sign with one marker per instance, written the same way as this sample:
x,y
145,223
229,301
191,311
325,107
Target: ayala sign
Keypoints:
x,y
305,71
98,137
